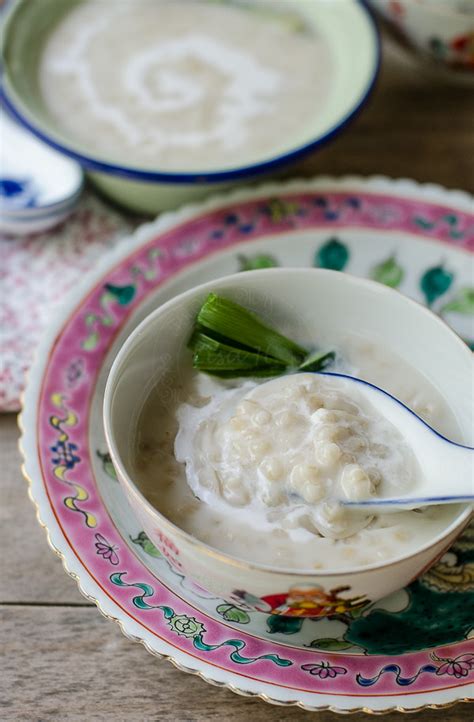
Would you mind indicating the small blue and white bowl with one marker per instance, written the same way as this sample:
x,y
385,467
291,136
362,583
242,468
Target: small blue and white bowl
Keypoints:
x,y
39,187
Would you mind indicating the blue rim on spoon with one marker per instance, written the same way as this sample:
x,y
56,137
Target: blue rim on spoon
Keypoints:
x,y
408,501
210,176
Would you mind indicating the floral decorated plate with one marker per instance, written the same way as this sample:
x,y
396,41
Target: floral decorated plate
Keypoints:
x,y
411,650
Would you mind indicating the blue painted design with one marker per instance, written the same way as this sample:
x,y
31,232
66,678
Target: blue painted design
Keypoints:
x,y
231,219
17,194
353,202
395,669
320,202
11,188
64,454
418,501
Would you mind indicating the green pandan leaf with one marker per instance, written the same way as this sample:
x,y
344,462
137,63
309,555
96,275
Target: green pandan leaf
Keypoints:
x,y
388,272
435,282
329,644
123,294
233,323
333,255
212,355
463,302
317,361
233,614
254,263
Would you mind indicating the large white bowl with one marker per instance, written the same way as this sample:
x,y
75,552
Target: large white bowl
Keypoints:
x,y
347,27
313,301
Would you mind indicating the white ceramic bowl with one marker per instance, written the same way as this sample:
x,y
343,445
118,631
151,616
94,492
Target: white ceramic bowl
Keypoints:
x,y
39,187
313,301
441,31
351,36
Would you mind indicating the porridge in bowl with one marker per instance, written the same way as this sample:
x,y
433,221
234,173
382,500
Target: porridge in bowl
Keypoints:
x,y
185,85
255,468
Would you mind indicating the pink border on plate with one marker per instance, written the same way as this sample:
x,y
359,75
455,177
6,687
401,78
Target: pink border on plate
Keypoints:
x,y
179,247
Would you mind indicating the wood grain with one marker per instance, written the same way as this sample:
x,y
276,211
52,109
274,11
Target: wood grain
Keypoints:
x,y
30,572
60,659
413,127
71,664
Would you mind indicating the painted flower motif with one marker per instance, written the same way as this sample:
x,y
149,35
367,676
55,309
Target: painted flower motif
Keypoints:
x,y
75,371
106,550
65,454
324,670
458,667
186,626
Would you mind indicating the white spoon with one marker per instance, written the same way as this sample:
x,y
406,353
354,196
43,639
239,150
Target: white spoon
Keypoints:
x,y
447,468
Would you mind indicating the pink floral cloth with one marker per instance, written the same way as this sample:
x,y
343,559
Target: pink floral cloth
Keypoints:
x,y
36,273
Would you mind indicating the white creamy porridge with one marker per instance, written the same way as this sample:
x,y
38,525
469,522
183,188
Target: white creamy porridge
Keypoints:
x,y
256,469
181,84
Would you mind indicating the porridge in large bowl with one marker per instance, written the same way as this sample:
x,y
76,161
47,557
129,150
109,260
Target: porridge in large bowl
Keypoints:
x,y
184,84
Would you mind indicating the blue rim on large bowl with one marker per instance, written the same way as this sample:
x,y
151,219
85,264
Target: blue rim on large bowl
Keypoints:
x,y
207,176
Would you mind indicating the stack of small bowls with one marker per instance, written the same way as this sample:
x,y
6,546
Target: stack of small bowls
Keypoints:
x,y
38,186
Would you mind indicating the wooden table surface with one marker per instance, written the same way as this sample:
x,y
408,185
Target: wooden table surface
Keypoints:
x,y
61,660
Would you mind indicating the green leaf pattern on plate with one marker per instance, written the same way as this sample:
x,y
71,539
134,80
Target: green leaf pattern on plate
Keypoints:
x,y
333,255
462,302
388,272
123,294
107,465
435,282
231,613
253,263
147,546
330,644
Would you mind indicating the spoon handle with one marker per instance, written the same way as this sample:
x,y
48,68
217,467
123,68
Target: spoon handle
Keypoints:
x,y
443,460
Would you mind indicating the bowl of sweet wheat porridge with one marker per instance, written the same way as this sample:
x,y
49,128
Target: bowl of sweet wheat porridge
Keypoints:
x,y
237,477
165,101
